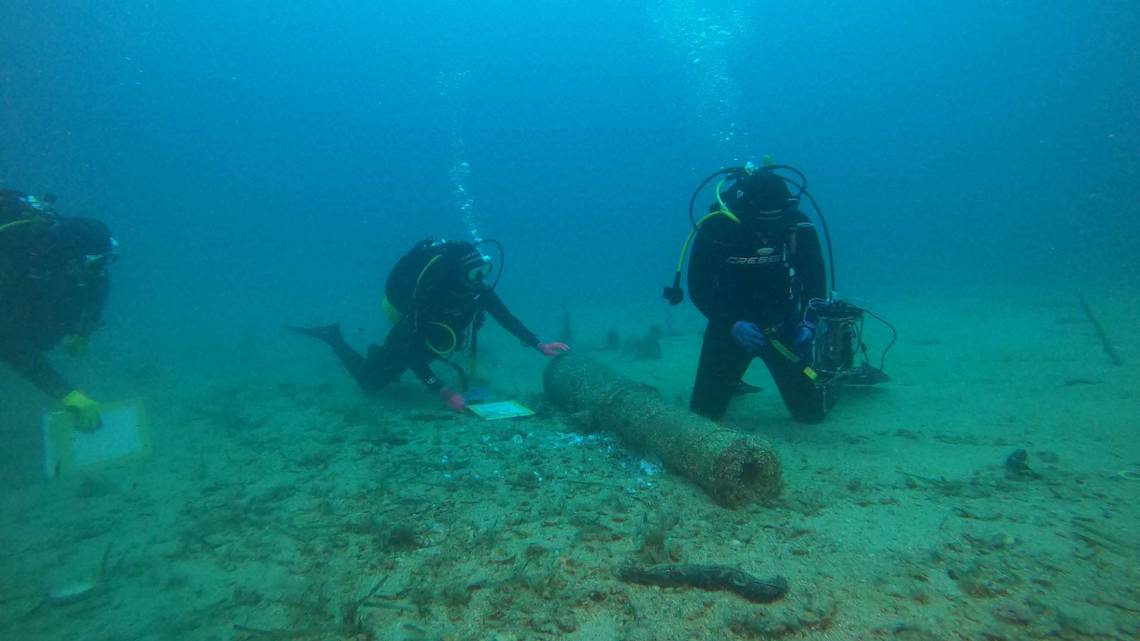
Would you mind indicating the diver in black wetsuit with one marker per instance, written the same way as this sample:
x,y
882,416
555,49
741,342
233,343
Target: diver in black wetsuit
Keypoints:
x,y
435,296
752,273
53,287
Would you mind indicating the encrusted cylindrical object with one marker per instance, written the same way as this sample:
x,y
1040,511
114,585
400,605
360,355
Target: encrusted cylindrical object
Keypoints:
x,y
733,467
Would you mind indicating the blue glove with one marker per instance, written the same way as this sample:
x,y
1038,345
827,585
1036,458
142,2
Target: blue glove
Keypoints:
x,y
804,336
748,336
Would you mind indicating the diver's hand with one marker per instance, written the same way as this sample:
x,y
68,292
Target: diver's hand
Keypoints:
x,y
552,349
452,399
75,345
84,410
748,336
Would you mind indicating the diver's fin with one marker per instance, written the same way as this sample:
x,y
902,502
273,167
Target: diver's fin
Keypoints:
x,y
745,388
865,374
327,333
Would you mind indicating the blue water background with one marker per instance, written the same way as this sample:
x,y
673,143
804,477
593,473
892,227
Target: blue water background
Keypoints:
x,y
264,163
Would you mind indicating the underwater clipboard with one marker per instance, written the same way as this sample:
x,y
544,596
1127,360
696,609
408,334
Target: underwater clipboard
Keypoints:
x,y
500,410
122,437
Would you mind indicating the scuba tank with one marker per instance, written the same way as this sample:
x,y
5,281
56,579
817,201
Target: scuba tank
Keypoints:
x,y
25,222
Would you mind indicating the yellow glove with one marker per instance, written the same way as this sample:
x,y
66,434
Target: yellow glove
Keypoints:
x,y
84,410
76,345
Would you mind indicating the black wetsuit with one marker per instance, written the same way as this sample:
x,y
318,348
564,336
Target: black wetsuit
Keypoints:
x,y
440,315
40,304
763,272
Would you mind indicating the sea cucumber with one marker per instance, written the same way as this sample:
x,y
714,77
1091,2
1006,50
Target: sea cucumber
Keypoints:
x,y
709,577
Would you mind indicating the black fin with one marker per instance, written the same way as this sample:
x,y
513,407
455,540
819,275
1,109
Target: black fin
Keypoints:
x,y
745,388
327,333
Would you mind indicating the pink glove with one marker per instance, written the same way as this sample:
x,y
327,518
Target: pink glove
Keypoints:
x,y
552,349
452,399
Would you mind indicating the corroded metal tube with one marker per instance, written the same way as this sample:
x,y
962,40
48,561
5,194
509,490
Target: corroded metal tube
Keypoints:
x,y
733,467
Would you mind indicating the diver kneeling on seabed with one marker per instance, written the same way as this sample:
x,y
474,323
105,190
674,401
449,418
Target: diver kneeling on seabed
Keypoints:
x,y
757,273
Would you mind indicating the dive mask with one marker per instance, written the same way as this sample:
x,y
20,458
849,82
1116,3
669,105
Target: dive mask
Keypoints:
x,y
91,267
480,271
475,267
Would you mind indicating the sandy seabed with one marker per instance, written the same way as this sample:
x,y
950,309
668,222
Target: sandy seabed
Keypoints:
x,y
294,507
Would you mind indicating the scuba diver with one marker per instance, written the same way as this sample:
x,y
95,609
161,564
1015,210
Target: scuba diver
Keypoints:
x,y
436,297
53,287
758,274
